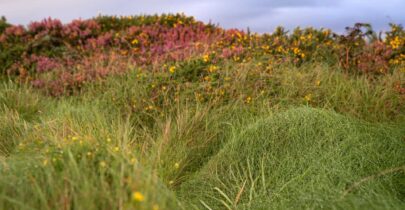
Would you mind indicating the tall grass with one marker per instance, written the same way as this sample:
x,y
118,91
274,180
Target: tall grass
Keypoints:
x,y
302,158
96,149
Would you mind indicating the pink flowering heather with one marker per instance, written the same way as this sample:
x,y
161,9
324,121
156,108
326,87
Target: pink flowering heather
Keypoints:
x,y
44,64
47,26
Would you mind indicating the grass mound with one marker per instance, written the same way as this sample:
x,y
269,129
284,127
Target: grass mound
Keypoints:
x,y
304,158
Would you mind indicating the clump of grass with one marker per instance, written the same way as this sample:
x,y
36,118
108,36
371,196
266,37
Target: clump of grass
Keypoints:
x,y
79,157
319,86
302,158
76,178
11,126
26,102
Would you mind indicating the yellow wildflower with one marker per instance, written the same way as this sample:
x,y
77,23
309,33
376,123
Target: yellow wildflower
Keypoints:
x,y
248,99
176,165
172,69
212,68
308,97
206,58
116,149
266,47
395,43
138,197
150,107
296,50
134,42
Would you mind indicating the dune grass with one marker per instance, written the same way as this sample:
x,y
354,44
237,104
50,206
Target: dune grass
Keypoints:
x,y
109,147
302,159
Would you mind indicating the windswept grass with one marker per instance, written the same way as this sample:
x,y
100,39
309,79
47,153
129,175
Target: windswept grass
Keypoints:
x,y
303,159
156,140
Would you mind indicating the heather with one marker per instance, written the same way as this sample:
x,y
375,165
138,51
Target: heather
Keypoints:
x,y
167,112
60,58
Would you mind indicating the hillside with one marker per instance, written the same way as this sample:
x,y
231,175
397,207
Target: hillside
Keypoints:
x,y
167,112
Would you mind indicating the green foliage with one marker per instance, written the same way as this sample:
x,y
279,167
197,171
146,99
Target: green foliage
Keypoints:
x,y
9,57
114,23
3,24
191,71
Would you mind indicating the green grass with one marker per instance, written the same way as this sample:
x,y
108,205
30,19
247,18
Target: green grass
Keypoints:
x,y
299,159
95,149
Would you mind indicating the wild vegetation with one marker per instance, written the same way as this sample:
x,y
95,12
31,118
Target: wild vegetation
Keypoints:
x,y
166,112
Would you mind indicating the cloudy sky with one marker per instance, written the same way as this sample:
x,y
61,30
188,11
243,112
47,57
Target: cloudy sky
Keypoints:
x,y
258,15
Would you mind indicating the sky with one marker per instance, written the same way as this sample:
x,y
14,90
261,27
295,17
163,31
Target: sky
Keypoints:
x,y
259,15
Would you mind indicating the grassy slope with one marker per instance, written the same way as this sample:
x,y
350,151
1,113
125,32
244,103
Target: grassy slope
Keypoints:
x,y
91,151
303,158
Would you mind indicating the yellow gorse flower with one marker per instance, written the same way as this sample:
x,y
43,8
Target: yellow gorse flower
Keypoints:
x,y
172,69
395,43
135,41
296,51
138,197
206,58
212,68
